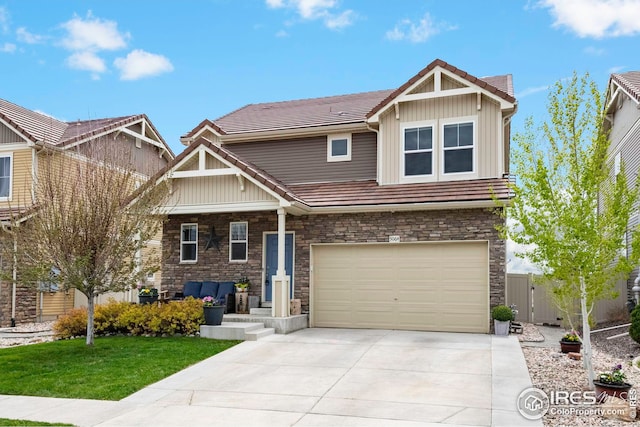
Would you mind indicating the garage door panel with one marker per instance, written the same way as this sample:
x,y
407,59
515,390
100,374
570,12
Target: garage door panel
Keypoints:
x,y
422,286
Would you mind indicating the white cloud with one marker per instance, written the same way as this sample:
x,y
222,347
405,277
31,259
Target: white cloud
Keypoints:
x,y
617,69
139,64
8,48
515,263
93,34
596,18
282,33
26,37
418,32
4,19
310,10
87,61
531,90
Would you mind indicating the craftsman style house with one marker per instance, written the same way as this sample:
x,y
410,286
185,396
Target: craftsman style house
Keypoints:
x,y
374,209
25,137
622,121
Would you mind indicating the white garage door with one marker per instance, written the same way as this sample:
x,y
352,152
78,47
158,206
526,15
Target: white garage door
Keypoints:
x,y
412,286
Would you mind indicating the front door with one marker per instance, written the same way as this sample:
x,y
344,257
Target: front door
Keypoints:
x,y
271,261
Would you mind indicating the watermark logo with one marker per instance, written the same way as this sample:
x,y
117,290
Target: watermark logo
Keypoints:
x,y
533,403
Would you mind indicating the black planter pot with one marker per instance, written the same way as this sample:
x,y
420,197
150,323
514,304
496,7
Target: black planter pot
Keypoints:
x,y
615,390
148,299
570,346
213,315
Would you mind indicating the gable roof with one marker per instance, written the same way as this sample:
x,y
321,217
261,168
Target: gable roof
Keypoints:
x,y
38,127
630,82
333,110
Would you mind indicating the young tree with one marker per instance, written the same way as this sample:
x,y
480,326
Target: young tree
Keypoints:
x,y
569,211
85,224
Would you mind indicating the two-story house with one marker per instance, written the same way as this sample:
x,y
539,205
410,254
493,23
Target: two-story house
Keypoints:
x,y
374,209
622,121
25,137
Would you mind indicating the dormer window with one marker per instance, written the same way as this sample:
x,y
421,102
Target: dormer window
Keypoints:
x,y
339,148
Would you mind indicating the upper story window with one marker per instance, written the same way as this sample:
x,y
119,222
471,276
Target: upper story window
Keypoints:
x,y
339,148
5,176
238,241
189,243
418,151
458,146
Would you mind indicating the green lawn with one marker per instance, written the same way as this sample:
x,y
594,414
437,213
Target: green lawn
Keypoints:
x,y
21,423
112,369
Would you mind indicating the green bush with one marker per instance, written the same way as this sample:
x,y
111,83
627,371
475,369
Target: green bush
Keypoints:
x,y
502,313
174,317
634,329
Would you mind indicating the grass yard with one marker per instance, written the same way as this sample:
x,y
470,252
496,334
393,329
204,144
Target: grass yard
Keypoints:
x,y
112,369
21,423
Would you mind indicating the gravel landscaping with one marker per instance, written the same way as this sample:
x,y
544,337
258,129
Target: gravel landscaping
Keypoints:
x,y
552,370
28,333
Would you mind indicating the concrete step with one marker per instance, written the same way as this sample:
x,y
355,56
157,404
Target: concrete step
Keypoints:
x,y
258,333
229,330
266,304
260,311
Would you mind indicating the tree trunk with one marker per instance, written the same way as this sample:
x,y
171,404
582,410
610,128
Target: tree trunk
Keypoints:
x,y
90,315
586,334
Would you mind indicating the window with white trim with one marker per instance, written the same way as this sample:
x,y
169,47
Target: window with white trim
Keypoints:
x,y
418,151
189,243
5,177
339,148
458,146
238,241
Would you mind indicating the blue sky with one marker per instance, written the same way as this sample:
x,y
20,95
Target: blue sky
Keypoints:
x,y
182,62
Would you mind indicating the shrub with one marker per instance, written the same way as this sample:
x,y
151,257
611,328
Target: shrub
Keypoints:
x,y
72,324
106,317
634,329
502,313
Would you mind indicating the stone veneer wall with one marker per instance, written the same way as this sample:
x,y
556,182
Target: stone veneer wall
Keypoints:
x,y
442,225
26,304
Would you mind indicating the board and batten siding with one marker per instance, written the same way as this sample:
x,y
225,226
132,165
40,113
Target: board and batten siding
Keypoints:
x,y
625,118
304,160
489,132
214,190
7,136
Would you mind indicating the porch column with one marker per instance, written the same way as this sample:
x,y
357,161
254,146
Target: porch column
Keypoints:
x,y
280,288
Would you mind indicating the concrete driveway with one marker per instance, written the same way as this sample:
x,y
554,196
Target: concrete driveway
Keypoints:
x,y
321,377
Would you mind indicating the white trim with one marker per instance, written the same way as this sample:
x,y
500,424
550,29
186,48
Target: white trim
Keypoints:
x,y
10,196
264,261
338,158
245,241
407,179
206,172
219,208
407,207
17,146
188,242
444,176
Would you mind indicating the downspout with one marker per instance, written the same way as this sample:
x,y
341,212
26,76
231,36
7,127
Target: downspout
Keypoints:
x,y
505,122
378,154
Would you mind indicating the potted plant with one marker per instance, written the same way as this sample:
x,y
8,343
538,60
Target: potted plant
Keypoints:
x,y
570,343
612,384
147,295
213,311
242,284
502,317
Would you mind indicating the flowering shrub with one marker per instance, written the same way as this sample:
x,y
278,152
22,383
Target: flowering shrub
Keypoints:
x,y
616,376
209,301
572,336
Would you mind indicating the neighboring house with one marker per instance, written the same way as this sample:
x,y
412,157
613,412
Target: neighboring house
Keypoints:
x,y
622,121
24,134
380,203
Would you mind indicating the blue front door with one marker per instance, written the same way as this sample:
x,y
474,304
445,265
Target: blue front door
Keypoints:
x,y
271,261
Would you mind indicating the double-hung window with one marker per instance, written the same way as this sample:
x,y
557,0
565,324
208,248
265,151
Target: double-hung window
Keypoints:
x,y
189,243
458,146
5,177
418,151
238,241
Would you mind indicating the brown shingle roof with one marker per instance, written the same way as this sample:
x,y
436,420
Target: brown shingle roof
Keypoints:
x,y
334,110
364,193
32,125
630,81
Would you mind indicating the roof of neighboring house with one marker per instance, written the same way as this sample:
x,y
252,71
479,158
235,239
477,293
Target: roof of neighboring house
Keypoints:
x,y
334,110
356,193
38,127
630,81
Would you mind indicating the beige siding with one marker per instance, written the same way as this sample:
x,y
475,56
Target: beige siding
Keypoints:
x,y
488,151
426,86
55,304
22,178
449,83
210,136
7,136
305,159
213,163
213,190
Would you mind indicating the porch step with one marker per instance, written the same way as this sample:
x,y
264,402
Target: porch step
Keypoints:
x,y
229,330
266,304
260,311
258,333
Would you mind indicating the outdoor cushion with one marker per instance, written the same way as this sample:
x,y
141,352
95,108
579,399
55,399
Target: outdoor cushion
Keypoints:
x,y
209,289
224,289
192,289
